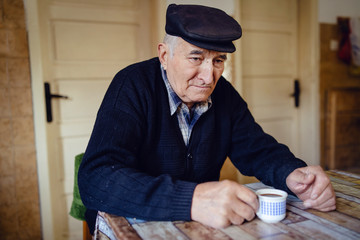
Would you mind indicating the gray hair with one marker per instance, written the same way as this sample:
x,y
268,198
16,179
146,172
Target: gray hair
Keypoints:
x,y
171,41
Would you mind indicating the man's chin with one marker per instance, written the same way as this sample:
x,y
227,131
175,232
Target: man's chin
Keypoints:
x,y
200,99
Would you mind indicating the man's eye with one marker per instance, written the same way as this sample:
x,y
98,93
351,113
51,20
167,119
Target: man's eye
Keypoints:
x,y
219,62
195,60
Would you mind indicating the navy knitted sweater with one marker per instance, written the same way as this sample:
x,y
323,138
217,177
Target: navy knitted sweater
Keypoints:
x,y
137,165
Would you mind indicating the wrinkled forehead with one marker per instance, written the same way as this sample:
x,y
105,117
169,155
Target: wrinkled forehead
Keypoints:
x,y
190,49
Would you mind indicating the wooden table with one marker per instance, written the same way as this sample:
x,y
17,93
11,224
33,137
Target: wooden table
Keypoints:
x,y
300,223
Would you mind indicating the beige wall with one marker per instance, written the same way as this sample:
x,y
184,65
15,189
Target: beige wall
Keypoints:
x,y
19,200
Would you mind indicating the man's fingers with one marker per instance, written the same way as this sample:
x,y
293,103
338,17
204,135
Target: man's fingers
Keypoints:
x,y
219,204
248,197
235,218
313,186
325,201
244,210
300,180
328,209
301,176
322,183
324,207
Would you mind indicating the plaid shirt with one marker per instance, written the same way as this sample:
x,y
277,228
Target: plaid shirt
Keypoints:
x,y
186,118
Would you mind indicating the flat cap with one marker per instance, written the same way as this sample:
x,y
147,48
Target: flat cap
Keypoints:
x,y
205,27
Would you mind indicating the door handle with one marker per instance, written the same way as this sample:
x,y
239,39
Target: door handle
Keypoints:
x,y
48,97
296,93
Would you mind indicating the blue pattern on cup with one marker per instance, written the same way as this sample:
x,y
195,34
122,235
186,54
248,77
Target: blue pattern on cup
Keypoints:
x,y
273,208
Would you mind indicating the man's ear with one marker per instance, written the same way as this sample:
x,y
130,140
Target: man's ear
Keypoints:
x,y
163,54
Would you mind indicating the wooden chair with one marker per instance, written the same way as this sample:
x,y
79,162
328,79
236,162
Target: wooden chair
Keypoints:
x,y
77,207
86,232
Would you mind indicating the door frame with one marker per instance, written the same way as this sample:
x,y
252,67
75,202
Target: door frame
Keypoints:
x,y
308,74
39,115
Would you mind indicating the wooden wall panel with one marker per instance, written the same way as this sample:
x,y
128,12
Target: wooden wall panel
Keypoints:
x,y
340,106
342,147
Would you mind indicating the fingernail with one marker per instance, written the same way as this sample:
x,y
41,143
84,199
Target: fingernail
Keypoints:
x,y
307,204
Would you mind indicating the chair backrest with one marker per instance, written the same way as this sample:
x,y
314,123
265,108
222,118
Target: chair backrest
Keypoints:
x,y
77,207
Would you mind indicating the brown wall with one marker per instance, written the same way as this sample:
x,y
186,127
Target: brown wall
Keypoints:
x,y
19,195
334,74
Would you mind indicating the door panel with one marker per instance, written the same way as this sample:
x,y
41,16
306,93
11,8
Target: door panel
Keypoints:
x,y
267,52
89,41
85,44
264,10
85,97
269,63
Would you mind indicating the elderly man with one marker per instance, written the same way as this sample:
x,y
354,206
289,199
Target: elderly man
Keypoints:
x,y
166,126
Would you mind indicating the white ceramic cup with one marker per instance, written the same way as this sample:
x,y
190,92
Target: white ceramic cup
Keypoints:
x,y
272,205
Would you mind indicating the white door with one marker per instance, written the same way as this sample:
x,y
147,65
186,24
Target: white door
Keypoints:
x,y
83,44
269,65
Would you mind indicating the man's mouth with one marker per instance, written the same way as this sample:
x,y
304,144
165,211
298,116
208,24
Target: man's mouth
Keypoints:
x,y
202,86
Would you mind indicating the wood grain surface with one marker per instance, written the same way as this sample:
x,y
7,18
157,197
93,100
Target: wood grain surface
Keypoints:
x,y
300,223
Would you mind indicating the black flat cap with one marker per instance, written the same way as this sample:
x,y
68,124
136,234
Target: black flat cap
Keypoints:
x,y
205,27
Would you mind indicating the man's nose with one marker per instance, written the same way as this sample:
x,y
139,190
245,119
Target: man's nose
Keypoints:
x,y
206,72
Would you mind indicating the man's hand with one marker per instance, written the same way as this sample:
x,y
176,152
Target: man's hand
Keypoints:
x,y
219,204
313,187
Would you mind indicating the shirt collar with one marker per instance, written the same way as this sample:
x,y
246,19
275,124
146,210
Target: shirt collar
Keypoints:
x,y
174,100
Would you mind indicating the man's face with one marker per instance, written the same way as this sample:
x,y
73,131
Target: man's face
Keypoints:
x,y
192,71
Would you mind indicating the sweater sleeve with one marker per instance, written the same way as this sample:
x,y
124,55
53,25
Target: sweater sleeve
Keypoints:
x,y
110,177
256,153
